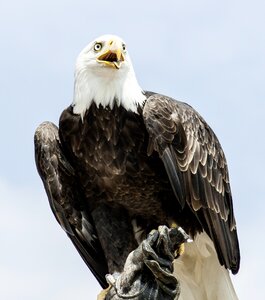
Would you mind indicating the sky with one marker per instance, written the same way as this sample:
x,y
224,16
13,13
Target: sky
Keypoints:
x,y
207,53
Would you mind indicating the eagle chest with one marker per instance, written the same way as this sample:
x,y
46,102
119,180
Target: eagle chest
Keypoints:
x,y
112,153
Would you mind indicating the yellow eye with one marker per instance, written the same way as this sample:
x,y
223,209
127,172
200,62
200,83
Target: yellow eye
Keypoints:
x,y
97,47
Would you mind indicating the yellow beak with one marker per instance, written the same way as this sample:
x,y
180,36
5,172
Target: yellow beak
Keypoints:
x,y
113,57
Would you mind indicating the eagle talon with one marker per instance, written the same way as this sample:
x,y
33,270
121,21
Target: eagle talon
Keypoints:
x,y
173,224
180,251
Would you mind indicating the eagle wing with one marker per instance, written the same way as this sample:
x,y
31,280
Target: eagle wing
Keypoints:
x,y
66,199
197,169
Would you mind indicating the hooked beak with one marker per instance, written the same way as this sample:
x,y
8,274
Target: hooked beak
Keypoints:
x,y
112,58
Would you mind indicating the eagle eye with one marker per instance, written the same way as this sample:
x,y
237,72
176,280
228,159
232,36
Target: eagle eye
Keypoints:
x,y
97,47
123,47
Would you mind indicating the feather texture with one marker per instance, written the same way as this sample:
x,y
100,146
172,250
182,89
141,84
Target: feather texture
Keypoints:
x,y
180,134
65,198
163,163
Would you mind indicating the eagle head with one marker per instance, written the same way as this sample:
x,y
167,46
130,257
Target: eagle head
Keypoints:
x,y
104,75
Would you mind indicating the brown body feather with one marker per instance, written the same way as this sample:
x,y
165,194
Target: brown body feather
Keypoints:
x,y
162,164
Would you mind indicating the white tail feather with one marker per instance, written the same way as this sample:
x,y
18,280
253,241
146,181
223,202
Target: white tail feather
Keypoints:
x,y
200,274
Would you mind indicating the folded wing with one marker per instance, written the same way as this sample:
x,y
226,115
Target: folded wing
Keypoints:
x,y
197,169
66,199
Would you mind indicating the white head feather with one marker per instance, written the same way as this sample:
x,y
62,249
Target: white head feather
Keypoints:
x,y
104,85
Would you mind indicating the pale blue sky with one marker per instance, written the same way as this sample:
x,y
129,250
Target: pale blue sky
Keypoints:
x,y
207,53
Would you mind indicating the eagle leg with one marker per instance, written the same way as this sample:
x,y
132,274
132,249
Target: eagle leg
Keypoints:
x,y
112,227
148,270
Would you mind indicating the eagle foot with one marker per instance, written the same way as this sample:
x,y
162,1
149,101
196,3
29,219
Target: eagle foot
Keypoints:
x,y
148,270
102,295
181,249
174,233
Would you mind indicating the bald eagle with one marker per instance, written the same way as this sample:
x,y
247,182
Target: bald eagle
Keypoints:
x,y
125,161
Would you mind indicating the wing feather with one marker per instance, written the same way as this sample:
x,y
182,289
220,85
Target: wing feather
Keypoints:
x,y
173,175
197,169
65,198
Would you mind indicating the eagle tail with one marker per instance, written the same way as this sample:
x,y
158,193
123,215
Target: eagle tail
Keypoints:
x,y
200,274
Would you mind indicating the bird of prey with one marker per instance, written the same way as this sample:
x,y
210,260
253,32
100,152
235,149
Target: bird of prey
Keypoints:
x,y
124,161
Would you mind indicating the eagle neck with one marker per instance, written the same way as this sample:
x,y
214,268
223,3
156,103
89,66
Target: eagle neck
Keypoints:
x,y
106,91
